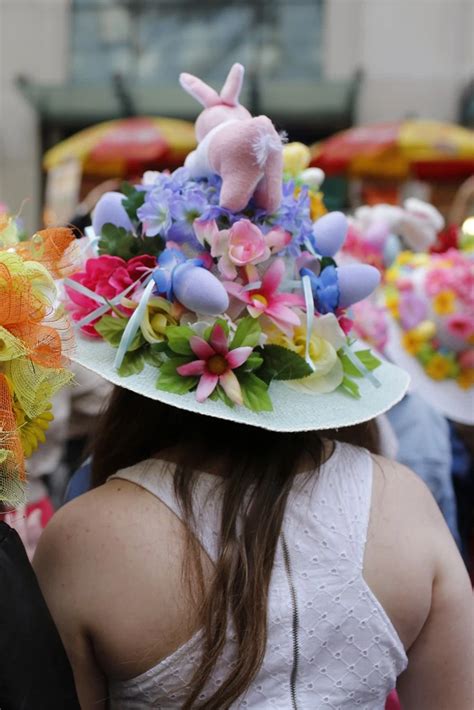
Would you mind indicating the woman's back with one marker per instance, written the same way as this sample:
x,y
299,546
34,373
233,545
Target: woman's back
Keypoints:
x,y
340,611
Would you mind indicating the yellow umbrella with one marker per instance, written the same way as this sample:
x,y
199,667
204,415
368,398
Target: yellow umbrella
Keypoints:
x,y
126,147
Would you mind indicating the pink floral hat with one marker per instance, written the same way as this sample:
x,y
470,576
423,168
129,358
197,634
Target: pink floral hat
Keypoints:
x,y
198,295
431,300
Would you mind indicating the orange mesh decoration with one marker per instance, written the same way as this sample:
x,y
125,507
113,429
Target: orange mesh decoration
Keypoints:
x,y
43,343
56,248
12,465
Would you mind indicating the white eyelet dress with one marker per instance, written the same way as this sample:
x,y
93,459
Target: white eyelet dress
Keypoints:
x,y
321,610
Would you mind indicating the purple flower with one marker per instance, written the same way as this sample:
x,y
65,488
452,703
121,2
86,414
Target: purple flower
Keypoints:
x,y
412,310
155,213
184,210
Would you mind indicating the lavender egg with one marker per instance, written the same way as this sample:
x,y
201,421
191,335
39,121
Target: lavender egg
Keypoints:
x,y
356,282
109,208
329,233
199,290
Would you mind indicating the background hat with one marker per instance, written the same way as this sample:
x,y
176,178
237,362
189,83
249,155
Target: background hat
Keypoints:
x,y
431,333
35,342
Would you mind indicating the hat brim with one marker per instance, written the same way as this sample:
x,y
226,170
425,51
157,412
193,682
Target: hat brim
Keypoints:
x,y
443,395
292,411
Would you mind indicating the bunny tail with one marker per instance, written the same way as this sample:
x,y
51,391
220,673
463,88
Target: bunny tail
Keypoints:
x,y
263,145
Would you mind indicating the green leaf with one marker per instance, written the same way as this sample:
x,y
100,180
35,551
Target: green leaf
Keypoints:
x,y
133,201
178,339
253,362
350,387
154,355
327,261
368,359
255,393
222,395
365,356
111,328
132,364
286,364
247,334
116,241
170,381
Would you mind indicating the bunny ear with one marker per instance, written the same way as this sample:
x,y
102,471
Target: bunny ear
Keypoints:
x,y
232,86
199,90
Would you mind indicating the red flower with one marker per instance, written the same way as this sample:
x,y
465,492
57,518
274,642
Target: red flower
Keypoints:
x,y
106,276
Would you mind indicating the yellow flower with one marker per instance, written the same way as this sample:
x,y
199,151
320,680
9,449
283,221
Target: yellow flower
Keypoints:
x,y
316,205
405,257
413,340
296,157
439,367
444,303
328,373
392,299
159,314
466,378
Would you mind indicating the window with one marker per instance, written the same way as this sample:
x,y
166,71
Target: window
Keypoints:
x,y
151,41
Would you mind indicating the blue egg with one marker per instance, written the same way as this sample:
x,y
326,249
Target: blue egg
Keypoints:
x,y
109,208
356,282
199,290
329,233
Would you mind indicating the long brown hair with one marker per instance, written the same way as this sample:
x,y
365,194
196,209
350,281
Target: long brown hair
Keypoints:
x,y
259,466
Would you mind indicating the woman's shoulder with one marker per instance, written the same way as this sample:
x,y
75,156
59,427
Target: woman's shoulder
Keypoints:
x,y
408,543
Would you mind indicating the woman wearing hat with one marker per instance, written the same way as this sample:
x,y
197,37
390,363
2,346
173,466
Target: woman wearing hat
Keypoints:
x,y
34,670
242,546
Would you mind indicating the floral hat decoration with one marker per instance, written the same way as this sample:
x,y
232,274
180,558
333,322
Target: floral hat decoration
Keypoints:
x,y
431,300
36,341
214,288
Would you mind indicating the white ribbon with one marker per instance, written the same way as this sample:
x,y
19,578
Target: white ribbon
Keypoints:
x,y
133,324
309,300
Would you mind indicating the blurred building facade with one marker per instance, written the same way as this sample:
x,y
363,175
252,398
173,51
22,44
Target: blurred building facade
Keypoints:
x,y
416,55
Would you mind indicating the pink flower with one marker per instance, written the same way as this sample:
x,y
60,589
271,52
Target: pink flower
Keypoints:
x,y
264,299
461,325
240,245
215,365
107,276
437,280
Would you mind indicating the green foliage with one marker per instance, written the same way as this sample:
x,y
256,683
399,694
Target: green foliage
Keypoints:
x,y
283,364
170,381
247,334
255,393
132,364
116,241
111,328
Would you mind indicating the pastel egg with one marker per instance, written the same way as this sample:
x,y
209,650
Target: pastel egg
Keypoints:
x,y
356,282
109,208
199,290
329,233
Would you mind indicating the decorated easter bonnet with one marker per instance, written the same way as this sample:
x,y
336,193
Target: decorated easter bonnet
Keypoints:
x,y
214,288
431,334
377,234
36,340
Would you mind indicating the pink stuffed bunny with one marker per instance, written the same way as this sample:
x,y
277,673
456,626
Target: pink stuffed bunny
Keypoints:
x,y
246,152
